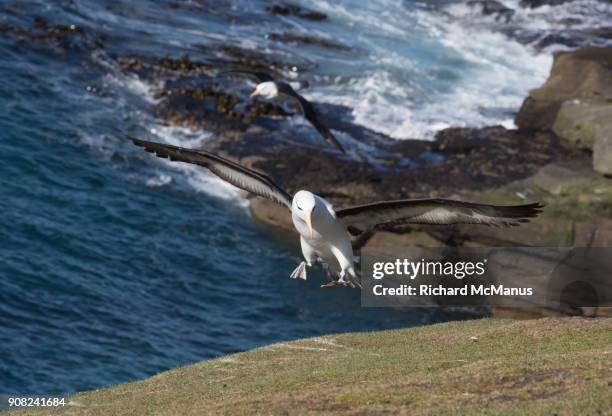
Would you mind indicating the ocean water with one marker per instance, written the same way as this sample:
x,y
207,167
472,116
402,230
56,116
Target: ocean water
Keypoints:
x,y
115,265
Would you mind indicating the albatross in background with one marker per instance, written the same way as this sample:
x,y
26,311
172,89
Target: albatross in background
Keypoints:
x,y
324,235
269,89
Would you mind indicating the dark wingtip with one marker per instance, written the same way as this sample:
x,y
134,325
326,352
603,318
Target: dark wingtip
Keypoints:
x,y
148,147
138,142
536,208
524,211
517,215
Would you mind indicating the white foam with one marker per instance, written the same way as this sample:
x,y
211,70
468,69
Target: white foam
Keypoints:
x,y
198,178
400,95
590,14
159,180
130,83
501,74
136,86
373,104
535,24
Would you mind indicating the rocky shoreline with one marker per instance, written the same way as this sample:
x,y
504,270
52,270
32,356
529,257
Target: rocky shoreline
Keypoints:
x,y
543,160
539,161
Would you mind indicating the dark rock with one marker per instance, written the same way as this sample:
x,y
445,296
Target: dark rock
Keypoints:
x,y
229,14
502,156
218,59
493,7
534,4
274,63
563,38
150,68
570,21
58,36
286,9
308,40
577,37
578,74
208,108
600,32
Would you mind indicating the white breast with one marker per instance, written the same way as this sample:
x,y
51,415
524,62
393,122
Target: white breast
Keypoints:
x,y
328,232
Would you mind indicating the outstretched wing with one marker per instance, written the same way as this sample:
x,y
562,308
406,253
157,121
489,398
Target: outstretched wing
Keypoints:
x,y
259,76
310,115
435,211
238,175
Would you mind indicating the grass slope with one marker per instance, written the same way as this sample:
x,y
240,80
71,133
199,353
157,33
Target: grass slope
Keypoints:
x,y
539,367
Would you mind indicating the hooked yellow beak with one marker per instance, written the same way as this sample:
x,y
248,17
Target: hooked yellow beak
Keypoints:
x,y
308,220
253,94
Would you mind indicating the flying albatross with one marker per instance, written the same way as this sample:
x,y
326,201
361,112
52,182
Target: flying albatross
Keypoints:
x,y
324,231
269,89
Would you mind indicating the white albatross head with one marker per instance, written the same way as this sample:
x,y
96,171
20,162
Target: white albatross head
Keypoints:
x,y
266,90
303,205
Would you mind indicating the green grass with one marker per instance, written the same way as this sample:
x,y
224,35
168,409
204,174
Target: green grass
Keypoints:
x,y
548,366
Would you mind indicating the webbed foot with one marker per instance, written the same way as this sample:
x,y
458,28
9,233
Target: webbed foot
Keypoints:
x,y
299,272
342,281
339,282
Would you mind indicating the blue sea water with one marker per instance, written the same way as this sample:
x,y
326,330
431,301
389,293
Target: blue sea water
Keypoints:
x,y
114,265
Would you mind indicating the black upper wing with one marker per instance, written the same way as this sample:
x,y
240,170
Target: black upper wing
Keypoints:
x,y
310,114
435,211
238,175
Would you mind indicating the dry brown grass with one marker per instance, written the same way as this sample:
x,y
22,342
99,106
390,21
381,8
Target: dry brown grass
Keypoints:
x,y
548,366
